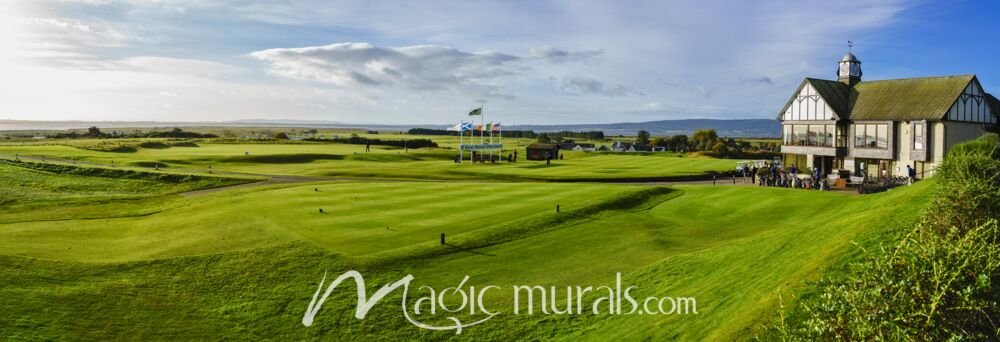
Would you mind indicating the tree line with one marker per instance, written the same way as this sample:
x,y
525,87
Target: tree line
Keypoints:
x,y
94,132
591,135
354,139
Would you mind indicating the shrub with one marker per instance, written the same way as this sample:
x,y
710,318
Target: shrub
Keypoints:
x,y
932,286
936,283
153,144
969,184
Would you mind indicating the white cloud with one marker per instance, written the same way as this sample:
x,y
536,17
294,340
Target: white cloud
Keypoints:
x,y
581,85
556,55
419,67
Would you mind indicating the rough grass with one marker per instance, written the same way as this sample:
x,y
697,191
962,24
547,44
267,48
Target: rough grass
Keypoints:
x,y
35,185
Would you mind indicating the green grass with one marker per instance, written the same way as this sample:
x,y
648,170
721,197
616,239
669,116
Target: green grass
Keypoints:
x,y
115,253
244,263
35,184
342,160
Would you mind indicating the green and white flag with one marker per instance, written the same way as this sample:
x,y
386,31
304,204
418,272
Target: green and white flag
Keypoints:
x,y
477,111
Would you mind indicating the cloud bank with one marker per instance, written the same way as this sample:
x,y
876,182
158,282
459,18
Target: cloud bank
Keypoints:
x,y
548,61
423,68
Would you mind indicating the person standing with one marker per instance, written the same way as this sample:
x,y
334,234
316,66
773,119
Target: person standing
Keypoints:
x,y
910,174
368,146
816,174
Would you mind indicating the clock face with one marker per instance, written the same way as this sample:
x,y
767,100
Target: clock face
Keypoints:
x,y
855,70
844,69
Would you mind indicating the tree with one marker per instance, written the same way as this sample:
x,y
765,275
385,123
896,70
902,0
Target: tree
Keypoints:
x,y
703,135
544,138
642,138
678,142
720,147
94,131
281,136
660,142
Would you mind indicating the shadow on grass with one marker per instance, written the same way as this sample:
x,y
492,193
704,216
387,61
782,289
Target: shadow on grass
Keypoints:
x,y
541,166
467,250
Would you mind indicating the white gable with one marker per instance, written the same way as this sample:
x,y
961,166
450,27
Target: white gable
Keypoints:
x,y
807,105
972,106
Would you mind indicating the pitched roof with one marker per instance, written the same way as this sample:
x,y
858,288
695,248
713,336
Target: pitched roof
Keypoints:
x,y
994,103
834,92
927,98
542,146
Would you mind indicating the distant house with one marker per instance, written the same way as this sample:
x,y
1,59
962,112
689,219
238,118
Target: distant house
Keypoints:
x,y
258,136
659,149
303,136
542,151
603,148
640,148
619,146
583,147
567,146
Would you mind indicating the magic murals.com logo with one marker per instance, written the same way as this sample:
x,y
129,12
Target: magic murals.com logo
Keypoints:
x,y
527,300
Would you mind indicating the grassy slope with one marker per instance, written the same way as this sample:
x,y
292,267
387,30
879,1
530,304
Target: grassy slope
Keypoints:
x,y
163,276
37,184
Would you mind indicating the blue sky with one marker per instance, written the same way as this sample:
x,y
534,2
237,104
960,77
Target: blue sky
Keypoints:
x,y
414,62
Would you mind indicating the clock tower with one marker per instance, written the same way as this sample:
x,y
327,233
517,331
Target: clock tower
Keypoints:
x,y
850,70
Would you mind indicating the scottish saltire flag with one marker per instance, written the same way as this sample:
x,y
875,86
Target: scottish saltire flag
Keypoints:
x,y
456,128
477,111
466,126
495,127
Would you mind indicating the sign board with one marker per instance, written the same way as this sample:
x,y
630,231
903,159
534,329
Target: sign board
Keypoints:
x,y
479,147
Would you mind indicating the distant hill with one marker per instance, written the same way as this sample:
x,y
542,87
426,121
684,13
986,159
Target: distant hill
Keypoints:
x,y
727,128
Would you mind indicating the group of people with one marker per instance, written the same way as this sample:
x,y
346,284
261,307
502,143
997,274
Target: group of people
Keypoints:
x,y
773,174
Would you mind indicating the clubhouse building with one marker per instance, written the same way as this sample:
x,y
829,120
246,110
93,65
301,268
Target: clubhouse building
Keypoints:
x,y
880,127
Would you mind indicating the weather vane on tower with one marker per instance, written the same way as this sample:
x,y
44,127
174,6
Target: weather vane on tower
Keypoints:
x,y
850,45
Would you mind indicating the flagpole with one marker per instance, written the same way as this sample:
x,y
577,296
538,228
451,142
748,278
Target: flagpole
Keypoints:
x,y
461,138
